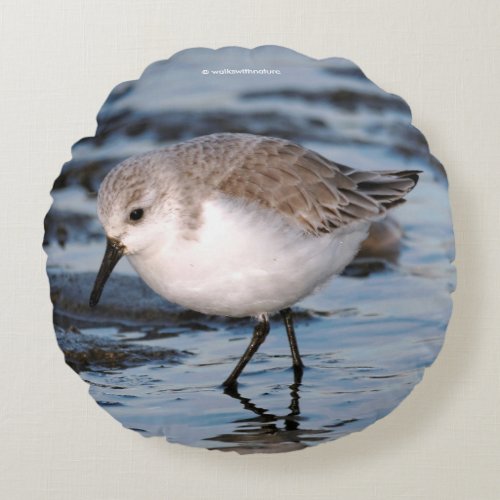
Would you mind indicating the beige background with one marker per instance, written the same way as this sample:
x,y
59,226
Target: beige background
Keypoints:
x,y
60,59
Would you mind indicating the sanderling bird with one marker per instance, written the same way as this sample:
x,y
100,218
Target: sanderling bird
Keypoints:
x,y
240,225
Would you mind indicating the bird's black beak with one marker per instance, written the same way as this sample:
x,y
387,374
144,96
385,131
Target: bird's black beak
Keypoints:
x,y
114,251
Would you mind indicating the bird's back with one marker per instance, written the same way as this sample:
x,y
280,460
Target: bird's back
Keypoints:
x,y
309,190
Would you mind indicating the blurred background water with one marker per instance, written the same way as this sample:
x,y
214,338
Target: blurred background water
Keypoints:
x,y
366,338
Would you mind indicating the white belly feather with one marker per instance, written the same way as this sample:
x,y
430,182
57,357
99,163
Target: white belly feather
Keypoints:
x,y
245,261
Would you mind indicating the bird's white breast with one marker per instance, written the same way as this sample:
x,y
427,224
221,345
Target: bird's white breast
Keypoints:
x,y
245,261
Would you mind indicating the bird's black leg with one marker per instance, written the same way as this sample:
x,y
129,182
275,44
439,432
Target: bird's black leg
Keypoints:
x,y
259,335
298,366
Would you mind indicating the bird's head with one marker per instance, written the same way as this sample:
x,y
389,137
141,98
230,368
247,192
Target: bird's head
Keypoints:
x,y
134,210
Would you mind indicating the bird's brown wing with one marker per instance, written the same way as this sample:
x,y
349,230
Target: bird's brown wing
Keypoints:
x,y
311,191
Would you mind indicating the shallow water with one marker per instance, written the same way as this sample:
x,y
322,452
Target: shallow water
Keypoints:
x,y
365,339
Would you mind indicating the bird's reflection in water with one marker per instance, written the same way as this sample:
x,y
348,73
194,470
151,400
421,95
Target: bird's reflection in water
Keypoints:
x,y
268,431
291,420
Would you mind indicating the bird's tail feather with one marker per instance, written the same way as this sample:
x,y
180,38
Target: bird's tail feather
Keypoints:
x,y
388,187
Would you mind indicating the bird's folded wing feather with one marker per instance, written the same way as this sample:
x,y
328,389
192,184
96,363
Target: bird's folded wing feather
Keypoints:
x,y
309,190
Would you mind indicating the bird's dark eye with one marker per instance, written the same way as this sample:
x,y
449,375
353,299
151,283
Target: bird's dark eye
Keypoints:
x,y
136,214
